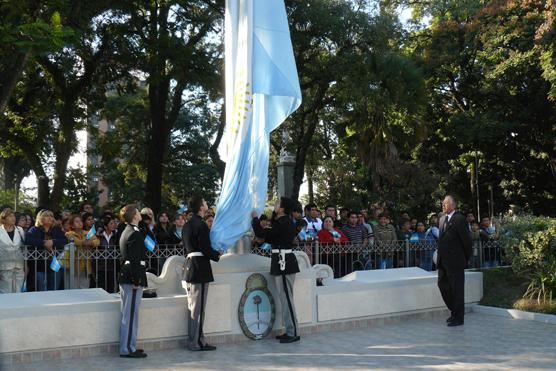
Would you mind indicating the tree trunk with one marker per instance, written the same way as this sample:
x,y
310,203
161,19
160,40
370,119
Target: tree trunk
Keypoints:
x,y
10,77
301,155
213,151
63,148
156,151
310,186
8,175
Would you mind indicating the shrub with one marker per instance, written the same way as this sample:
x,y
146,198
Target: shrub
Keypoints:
x,y
530,244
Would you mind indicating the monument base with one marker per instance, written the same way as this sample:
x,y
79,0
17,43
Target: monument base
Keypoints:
x,y
71,323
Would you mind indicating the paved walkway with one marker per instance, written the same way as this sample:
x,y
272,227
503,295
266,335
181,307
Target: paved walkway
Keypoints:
x,y
484,343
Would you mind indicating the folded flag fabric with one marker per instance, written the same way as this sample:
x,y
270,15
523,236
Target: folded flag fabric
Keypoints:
x,y
91,232
150,244
55,264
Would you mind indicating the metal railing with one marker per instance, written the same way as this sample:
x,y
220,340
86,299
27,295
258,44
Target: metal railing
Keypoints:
x,y
84,268
346,258
90,268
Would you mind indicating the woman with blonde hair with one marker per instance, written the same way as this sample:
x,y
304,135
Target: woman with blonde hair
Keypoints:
x,y
45,238
12,264
84,244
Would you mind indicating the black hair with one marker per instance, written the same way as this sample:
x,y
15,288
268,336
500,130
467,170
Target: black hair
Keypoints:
x,y
195,204
287,204
309,206
297,207
300,224
86,215
352,213
403,221
330,206
106,219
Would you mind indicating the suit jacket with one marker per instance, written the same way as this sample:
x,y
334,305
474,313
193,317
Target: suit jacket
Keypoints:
x,y
132,246
196,238
454,242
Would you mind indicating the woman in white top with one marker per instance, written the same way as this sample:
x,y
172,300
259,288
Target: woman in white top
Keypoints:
x,y
12,264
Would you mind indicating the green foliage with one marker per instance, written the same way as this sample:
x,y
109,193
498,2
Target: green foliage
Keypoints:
x,y
188,170
7,197
531,245
77,190
488,94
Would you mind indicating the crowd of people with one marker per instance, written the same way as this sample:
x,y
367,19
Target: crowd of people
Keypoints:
x,y
52,231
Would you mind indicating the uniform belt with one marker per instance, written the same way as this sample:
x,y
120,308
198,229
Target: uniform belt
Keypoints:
x,y
142,262
278,251
193,254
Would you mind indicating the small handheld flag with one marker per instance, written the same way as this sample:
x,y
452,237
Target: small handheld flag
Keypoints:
x,y
335,234
303,234
91,232
265,246
55,265
150,243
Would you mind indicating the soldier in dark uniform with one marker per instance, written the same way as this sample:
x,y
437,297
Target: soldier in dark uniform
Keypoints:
x,y
133,279
198,272
283,265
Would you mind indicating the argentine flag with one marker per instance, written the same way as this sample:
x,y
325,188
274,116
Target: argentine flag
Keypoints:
x,y
150,244
55,264
91,232
262,90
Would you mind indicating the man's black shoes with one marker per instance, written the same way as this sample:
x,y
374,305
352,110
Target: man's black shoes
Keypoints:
x,y
283,336
207,348
290,339
450,319
136,354
455,323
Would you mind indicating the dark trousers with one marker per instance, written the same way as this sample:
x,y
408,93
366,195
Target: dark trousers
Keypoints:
x,y
451,284
196,301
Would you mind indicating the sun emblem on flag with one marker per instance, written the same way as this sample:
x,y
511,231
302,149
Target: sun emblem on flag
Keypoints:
x,y
243,101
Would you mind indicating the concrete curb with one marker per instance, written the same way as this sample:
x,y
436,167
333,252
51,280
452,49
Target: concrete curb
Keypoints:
x,y
515,314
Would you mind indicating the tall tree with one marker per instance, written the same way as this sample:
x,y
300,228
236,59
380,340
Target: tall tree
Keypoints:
x,y
174,45
27,28
489,100
67,80
349,60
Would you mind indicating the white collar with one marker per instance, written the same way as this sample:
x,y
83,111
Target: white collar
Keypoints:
x,y
18,236
449,216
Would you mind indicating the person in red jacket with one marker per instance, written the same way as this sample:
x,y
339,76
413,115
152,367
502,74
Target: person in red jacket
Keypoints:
x,y
329,236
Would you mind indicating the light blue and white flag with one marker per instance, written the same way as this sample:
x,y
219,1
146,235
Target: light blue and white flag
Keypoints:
x,y
150,243
262,90
91,232
55,264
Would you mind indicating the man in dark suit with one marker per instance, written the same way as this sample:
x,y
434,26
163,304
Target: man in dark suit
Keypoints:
x,y
198,272
133,279
454,250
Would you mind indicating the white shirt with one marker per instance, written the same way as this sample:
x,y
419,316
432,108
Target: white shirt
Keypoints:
x,y
313,225
449,216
